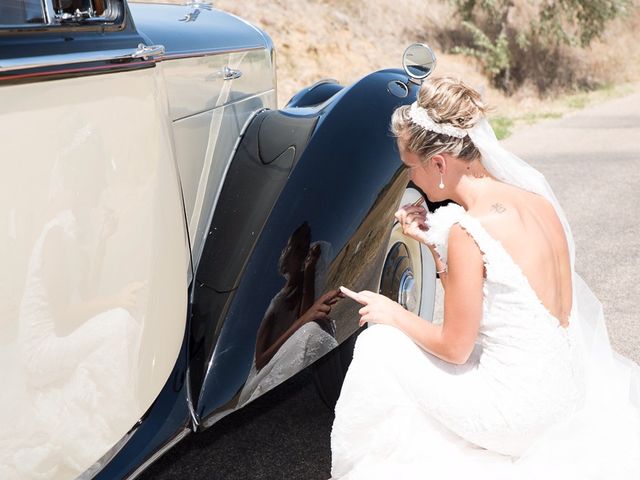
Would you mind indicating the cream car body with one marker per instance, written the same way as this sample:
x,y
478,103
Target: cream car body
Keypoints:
x,y
95,245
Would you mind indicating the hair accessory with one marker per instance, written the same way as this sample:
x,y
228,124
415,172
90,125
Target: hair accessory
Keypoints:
x,y
419,116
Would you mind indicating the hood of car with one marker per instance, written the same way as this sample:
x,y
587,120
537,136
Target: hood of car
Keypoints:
x,y
195,28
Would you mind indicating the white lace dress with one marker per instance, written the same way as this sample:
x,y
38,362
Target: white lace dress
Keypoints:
x,y
509,412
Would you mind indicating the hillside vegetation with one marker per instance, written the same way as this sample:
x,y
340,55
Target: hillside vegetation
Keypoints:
x,y
346,39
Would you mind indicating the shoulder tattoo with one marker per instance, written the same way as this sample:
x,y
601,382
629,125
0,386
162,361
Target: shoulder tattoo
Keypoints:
x,y
498,208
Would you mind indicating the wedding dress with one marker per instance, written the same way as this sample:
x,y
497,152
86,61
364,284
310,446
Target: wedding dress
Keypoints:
x,y
534,400
404,413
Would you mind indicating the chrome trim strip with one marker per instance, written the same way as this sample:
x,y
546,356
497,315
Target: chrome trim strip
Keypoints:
x,y
195,419
151,52
253,95
78,71
198,245
167,446
102,462
209,52
45,61
49,11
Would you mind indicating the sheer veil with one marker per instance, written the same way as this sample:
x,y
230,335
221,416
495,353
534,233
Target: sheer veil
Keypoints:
x,y
610,417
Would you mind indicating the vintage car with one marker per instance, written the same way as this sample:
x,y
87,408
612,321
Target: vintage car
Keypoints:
x,y
172,241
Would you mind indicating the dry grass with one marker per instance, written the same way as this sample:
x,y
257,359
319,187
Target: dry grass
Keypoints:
x,y
346,39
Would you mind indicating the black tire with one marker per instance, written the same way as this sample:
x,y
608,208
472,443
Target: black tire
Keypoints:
x,y
330,370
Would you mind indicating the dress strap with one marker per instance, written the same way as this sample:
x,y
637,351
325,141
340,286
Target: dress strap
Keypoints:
x,y
498,264
439,224
488,245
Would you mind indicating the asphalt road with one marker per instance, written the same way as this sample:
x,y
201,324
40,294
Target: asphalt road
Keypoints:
x,y
592,160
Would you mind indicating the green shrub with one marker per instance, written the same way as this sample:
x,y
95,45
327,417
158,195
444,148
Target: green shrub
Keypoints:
x,y
532,40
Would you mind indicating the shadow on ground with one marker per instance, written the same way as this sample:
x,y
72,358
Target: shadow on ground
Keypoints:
x,y
283,434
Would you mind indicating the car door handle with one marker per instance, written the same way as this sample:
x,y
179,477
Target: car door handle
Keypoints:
x,y
231,73
145,52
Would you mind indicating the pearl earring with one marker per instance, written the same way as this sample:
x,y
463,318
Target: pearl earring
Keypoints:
x,y
441,184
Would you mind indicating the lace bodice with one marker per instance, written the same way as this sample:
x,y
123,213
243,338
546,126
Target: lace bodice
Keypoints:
x,y
523,344
505,281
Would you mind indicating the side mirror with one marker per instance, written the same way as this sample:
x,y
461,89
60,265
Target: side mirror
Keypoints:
x,y
418,61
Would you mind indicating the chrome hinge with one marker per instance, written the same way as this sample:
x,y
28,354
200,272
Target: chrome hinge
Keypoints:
x,y
77,16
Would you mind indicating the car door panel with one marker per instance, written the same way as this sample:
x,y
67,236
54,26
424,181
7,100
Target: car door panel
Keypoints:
x,y
202,83
96,259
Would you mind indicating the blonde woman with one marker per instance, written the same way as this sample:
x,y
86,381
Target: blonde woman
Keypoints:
x,y
519,380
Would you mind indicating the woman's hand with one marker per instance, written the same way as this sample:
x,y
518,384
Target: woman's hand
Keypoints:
x,y
321,308
412,218
377,308
129,297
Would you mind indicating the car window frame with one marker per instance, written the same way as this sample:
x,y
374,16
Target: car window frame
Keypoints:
x,y
54,22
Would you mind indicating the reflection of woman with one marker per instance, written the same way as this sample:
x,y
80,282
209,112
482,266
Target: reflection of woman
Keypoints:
x,y
78,350
77,358
519,381
295,330
291,308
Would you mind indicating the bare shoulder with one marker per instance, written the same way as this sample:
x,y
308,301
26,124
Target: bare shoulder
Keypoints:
x,y
514,210
500,217
526,224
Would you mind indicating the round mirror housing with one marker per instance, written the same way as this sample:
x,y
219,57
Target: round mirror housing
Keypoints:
x,y
418,61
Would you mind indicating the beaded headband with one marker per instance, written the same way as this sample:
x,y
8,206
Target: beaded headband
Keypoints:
x,y
419,116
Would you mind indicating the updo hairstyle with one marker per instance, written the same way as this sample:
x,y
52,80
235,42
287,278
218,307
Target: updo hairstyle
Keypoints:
x,y
447,100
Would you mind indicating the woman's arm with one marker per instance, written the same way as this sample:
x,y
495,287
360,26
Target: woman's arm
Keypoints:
x,y
265,350
454,340
441,268
318,312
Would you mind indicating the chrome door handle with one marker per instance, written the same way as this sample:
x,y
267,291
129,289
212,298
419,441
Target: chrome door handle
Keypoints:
x,y
231,74
145,52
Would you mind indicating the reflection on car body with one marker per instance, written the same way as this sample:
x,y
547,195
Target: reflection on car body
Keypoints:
x,y
296,328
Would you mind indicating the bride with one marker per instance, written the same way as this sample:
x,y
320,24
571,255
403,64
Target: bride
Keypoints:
x,y
519,380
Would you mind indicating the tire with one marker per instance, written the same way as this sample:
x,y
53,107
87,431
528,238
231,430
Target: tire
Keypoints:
x,y
408,277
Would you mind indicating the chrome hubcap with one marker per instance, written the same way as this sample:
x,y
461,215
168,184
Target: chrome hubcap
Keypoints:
x,y
408,274
407,294
398,281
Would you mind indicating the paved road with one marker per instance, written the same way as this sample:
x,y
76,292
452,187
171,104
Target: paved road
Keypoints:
x,y
592,160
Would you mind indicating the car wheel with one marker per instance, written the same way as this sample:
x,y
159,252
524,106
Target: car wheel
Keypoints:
x,y
408,277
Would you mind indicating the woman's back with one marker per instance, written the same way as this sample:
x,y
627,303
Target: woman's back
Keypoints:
x,y
529,230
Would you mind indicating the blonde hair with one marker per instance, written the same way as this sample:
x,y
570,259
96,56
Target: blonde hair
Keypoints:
x,y
447,100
